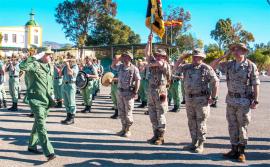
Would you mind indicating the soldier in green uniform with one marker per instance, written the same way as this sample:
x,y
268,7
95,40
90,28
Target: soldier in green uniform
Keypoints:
x,y
40,99
13,70
2,81
114,86
69,72
57,83
175,90
96,80
87,92
142,65
28,79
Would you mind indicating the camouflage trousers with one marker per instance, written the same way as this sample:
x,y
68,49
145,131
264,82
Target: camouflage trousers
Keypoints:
x,y
157,109
238,118
197,114
125,105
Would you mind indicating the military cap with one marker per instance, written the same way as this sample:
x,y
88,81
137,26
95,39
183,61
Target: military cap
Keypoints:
x,y
127,54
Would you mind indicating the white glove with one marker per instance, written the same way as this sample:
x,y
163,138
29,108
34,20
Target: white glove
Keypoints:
x,y
39,56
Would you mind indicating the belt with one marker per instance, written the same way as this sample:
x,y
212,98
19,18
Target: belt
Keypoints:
x,y
13,76
123,90
237,95
69,82
198,94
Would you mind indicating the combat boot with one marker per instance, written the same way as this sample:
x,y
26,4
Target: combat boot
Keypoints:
x,y
4,103
242,156
59,104
121,132
70,120
169,102
143,105
175,109
192,146
154,138
115,115
127,132
138,99
67,118
11,108
160,137
15,107
199,148
31,115
85,110
233,153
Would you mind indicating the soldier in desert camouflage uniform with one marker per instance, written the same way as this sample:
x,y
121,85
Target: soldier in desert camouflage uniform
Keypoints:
x,y
243,87
159,77
128,87
197,77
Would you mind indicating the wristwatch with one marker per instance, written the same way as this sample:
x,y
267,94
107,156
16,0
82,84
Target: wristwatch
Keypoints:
x,y
256,102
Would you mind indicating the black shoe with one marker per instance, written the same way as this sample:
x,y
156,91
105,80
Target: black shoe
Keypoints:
x,y
0,103
14,107
115,115
31,115
87,109
183,102
65,120
35,151
51,157
175,109
70,120
146,113
214,105
59,104
5,103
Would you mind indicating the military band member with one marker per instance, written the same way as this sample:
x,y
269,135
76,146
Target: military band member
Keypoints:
x,y
243,89
114,86
13,70
159,78
88,91
128,86
69,72
197,77
40,94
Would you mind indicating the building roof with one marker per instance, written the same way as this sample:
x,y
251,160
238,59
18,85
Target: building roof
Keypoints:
x,y
32,21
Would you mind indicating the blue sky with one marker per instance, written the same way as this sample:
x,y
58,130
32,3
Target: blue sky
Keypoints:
x,y
254,15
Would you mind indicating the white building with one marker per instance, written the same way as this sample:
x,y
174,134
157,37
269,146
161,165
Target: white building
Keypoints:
x,y
22,36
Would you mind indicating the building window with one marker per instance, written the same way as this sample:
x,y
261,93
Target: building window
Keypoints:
x,y
22,38
14,38
6,38
36,39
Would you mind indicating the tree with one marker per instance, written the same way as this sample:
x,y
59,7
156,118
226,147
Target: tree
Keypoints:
x,y
262,58
78,17
225,33
111,31
212,52
176,13
188,42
